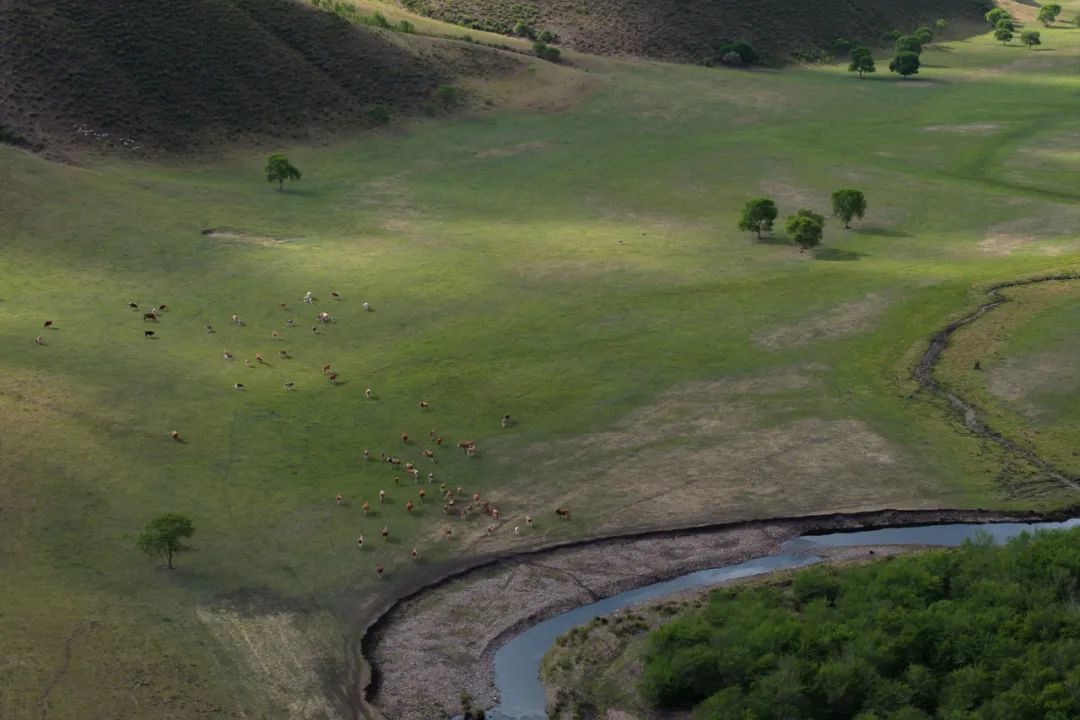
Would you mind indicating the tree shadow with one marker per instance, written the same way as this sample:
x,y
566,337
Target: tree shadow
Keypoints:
x,y
772,240
880,232
837,255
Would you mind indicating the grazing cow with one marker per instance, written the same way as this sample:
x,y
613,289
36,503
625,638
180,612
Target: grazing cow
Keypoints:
x,y
397,480
476,497
290,322
466,445
368,394
438,441
490,529
149,316
528,520
447,533
367,455
288,385
385,532
339,499
335,294
424,405
495,514
325,368
227,355
517,530
405,438
133,306
234,319
314,328
431,477
238,386
382,496
258,358
283,354
148,333
429,455
409,506
379,570
175,435
366,307
563,512
505,420
332,378
409,466
460,490
247,363
161,307
433,433
275,335
415,475
48,324
422,494
307,297
366,507
471,451
209,329
360,542
281,306
415,554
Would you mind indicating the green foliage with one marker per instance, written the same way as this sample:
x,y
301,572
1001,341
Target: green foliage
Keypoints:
x,y
993,16
406,27
164,536
1047,14
891,36
924,34
448,97
806,228
1030,38
745,50
1003,36
862,61
909,43
547,36
279,169
380,114
522,29
905,64
848,203
940,24
1005,24
758,216
978,633
546,52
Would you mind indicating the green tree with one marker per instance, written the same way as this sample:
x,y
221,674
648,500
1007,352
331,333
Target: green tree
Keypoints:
x,y
448,96
1054,8
1046,15
805,228
908,43
1003,36
924,34
745,50
940,24
758,216
279,169
848,203
905,64
164,536
1005,24
996,14
891,36
546,52
1030,38
380,114
862,61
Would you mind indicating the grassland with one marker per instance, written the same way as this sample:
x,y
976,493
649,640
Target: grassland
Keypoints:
x,y
577,269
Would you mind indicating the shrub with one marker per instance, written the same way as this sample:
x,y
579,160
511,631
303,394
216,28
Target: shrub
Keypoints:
x,y
924,34
546,52
908,43
380,114
448,96
406,27
547,36
379,20
746,51
521,29
732,59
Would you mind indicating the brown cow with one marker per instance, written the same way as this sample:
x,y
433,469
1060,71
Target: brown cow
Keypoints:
x,y
339,499
48,324
415,554
382,496
563,512
422,494
152,317
379,570
385,532
175,435
366,507
405,438
429,455
409,506
424,405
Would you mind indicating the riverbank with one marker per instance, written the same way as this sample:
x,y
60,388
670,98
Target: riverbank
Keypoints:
x,y
437,643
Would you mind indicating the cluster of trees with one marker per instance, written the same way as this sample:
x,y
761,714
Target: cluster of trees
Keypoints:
x,y
1005,27
805,227
983,632
906,62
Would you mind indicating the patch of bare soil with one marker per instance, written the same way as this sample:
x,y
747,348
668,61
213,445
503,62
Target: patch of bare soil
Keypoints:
x,y
240,236
843,320
1019,380
787,194
434,645
964,129
512,150
1028,233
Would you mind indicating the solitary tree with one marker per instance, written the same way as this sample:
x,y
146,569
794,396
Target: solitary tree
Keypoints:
x,y
279,169
1003,36
164,535
940,24
758,215
908,43
996,14
805,228
862,61
1030,38
1047,14
924,34
848,203
905,64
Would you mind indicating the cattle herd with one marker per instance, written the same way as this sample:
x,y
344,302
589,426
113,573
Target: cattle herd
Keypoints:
x,y
456,503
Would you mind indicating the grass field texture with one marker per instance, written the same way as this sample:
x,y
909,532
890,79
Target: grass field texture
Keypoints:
x,y
579,270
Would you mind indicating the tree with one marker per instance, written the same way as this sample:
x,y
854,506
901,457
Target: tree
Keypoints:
x,y
380,114
447,96
1005,24
862,61
909,43
996,14
848,203
1030,38
1053,8
1047,15
924,34
805,228
758,215
164,535
891,36
1003,36
279,169
546,52
905,64
940,24
746,51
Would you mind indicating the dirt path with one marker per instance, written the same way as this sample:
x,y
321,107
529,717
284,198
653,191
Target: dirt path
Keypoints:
x,y
431,646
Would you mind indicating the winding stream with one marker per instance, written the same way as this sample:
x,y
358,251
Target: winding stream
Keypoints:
x,y
517,664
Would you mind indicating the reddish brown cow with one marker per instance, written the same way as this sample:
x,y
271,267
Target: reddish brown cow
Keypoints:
x,y
563,512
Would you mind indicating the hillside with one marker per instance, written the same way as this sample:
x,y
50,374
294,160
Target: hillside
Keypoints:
x,y
142,74
691,30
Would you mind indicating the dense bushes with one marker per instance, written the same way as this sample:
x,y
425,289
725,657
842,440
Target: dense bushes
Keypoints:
x,y
979,633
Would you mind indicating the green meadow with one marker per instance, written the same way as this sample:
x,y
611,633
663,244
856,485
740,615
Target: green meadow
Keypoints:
x,y
579,270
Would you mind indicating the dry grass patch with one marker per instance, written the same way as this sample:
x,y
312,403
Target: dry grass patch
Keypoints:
x,y
841,321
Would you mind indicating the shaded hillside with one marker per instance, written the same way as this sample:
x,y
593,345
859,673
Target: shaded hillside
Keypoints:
x,y
692,30
167,74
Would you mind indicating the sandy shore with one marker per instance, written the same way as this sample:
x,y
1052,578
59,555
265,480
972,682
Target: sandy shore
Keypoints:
x,y
429,648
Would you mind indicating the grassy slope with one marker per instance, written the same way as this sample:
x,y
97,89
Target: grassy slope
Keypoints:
x,y
500,285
